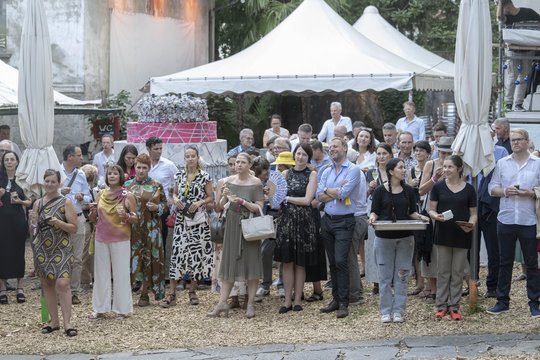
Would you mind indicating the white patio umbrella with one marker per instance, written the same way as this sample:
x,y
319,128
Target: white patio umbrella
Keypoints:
x,y
36,101
472,85
472,89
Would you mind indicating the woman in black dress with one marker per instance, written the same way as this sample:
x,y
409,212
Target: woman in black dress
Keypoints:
x,y
13,227
296,240
452,236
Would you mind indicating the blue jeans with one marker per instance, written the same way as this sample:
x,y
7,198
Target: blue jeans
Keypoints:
x,y
337,236
394,263
508,234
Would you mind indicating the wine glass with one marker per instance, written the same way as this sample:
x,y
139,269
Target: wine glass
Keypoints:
x,y
120,210
375,174
418,174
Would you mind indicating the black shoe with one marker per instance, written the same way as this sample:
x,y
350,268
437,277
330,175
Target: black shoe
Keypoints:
x,y
333,306
342,312
297,308
491,294
508,107
284,309
75,300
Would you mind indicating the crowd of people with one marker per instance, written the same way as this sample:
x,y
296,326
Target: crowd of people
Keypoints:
x,y
110,220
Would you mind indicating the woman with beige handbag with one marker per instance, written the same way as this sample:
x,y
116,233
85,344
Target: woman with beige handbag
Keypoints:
x,y
240,260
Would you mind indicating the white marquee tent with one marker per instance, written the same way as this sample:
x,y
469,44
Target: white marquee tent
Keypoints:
x,y
9,84
373,26
312,50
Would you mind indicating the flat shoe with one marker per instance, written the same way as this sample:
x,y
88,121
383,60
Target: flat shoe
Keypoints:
x,y
315,297
71,332
415,292
284,309
49,329
21,298
297,308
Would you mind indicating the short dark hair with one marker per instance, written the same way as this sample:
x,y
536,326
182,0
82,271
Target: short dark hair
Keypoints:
x,y
120,172
389,126
422,144
153,141
259,164
440,126
307,128
69,150
358,124
275,116
4,127
316,145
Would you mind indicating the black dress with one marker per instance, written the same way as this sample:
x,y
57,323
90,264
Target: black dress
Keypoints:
x,y
296,238
447,233
13,230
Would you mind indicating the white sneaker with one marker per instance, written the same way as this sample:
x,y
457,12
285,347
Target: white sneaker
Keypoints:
x,y
386,318
261,292
281,292
398,318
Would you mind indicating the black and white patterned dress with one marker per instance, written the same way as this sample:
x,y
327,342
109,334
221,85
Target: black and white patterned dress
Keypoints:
x,y
192,251
296,238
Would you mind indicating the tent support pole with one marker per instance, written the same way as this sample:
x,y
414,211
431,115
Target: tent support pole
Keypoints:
x,y
475,254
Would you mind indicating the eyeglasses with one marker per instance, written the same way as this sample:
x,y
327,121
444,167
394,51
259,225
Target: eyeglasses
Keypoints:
x,y
517,139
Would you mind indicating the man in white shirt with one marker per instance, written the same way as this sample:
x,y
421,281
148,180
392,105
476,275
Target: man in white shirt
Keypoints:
x,y
411,123
162,170
104,156
327,131
513,180
76,189
304,136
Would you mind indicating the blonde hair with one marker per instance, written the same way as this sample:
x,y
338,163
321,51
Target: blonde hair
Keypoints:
x,y
522,132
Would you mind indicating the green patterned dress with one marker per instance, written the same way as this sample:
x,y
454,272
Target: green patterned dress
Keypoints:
x,y
53,250
147,253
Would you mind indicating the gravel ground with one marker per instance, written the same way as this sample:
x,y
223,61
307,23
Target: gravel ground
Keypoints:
x,y
186,326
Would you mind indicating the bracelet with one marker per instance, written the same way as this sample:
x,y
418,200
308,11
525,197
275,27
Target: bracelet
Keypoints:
x,y
434,179
504,192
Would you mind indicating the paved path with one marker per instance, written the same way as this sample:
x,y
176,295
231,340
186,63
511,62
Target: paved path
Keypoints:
x,y
427,347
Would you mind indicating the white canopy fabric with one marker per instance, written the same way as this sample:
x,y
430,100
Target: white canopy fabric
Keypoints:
x,y
312,50
9,78
437,73
473,85
36,102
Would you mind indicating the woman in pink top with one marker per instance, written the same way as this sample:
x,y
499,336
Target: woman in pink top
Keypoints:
x,y
115,213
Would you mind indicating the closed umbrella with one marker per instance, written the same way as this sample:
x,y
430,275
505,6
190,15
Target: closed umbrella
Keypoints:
x,y
472,85
472,88
36,101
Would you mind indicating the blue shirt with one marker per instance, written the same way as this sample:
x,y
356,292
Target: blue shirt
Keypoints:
x,y
319,167
235,151
416,127
79,186
348,179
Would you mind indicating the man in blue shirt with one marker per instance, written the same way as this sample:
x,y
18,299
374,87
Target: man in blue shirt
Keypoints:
x,y
411,122
339,189
246,142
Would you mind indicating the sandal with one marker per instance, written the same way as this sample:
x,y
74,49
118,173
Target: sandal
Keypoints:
x,y
416,291
168,301
49,329
315,297
193,299
144,300
20,296
3,297
235,303
96,316
71,332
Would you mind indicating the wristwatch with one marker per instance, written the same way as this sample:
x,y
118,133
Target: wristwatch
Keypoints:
x,y
325,190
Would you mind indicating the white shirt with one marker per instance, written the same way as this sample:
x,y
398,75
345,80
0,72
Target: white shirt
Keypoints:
x,y
79,186
369,161
100,159
327,131
416,127
516,210
164,172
